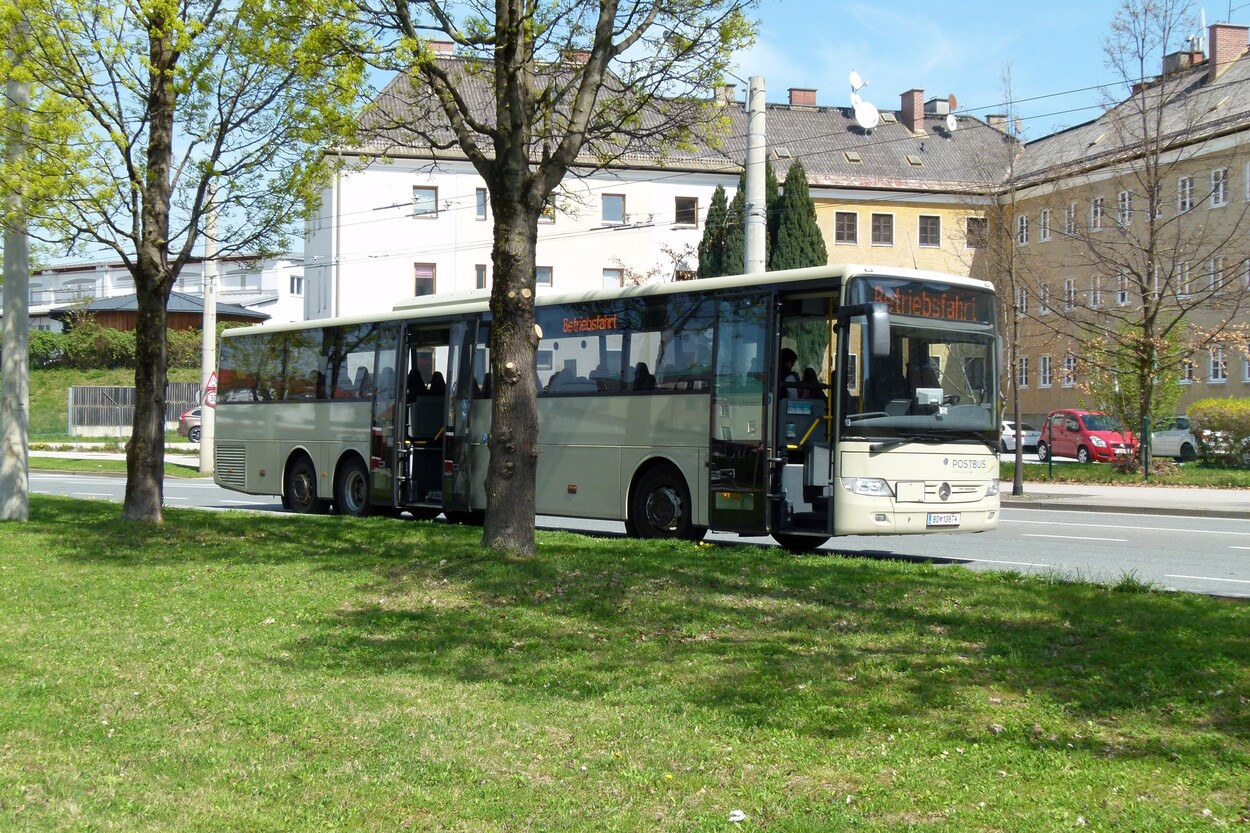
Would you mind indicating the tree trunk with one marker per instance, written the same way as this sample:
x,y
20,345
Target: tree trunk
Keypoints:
x,y
145,453
511,473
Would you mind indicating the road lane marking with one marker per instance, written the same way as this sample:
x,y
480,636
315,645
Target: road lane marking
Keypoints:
x,y
1118,526
1073,537
1211,578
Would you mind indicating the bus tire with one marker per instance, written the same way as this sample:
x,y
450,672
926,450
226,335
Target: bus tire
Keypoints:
x,y
659,506
351,488
300,492
799,544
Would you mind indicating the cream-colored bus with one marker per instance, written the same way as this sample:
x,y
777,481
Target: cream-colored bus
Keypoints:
x,y
660,406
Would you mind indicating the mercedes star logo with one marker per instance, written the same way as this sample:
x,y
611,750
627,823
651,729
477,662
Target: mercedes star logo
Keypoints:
x,y
944,491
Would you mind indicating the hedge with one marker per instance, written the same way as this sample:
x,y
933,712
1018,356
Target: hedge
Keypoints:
x,y
1221,428
89,346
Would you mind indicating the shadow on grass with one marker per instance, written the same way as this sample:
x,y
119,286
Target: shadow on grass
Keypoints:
x,y
825,647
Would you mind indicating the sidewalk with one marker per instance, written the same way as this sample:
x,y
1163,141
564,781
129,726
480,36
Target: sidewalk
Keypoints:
x,y
1154,500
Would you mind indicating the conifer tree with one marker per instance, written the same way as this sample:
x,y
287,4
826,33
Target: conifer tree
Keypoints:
x,y
799,242
712,246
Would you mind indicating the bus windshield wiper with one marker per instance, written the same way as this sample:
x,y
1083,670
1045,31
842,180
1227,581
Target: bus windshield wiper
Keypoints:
x,y
912,438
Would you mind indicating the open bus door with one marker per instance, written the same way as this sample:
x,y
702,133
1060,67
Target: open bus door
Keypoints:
x,y
739,451
457,441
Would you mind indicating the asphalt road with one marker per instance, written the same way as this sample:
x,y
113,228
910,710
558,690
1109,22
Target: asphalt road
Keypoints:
x,y
1192,554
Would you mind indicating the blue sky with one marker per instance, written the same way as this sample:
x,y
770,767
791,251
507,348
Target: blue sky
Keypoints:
x,y
1054,49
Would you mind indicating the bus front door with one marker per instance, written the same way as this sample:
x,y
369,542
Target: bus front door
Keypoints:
x,y
739,452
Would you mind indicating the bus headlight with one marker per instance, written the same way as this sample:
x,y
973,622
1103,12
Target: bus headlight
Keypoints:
x,y
870,486
992,489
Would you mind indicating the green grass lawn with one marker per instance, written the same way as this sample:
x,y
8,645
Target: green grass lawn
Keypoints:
x,y
1175,474
246,672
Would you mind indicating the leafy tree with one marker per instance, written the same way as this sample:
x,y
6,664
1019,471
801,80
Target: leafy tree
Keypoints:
x,y
799,242
570,84
712,246
184,100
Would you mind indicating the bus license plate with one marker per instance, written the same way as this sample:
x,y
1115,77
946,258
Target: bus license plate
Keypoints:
x,y
943,519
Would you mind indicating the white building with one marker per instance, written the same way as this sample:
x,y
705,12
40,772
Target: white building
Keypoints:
x,y
274,286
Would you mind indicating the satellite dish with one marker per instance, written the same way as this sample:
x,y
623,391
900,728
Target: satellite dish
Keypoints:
x,y
952,123
866,115
856,81
855,100
953,102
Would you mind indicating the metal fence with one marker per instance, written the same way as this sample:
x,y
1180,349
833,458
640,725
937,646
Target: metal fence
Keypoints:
x,y
109,410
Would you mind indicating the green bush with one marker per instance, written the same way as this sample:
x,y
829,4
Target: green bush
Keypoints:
x,y
1222,429
46,348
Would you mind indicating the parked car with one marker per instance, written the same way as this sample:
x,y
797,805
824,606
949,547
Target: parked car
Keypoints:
x,y
1027,436
1174,439
189,424
1088,436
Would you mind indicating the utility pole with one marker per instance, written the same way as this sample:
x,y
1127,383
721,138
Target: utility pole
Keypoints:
x,y
757,211
15,391
208,352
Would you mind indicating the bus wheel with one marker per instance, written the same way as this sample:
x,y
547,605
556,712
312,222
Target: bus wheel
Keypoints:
x,y
799,544
660,506
351,489
300,494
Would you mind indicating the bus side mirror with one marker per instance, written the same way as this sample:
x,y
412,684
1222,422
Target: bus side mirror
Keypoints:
x,y
879,330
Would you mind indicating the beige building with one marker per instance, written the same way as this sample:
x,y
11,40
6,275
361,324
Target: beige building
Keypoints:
x,y
1138,221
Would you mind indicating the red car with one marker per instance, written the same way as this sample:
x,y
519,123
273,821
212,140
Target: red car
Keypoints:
x,y
1086,435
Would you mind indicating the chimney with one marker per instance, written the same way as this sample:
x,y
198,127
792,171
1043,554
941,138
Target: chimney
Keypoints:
x,y
1228,43
802,97
998,121
913,110
441,47
726,94
937,107
1178,61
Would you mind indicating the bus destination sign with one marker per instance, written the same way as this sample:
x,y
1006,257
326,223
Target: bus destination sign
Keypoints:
x,y
945,303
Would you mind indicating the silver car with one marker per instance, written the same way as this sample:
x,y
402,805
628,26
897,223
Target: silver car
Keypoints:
x,y
1027,436
1174,439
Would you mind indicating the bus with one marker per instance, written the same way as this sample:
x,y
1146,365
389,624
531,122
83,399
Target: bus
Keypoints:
x,y
661,406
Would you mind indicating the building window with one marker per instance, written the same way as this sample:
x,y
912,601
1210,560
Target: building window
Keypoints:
x,y
1043,372
1245,366
1215,275
1219,365
976,232
1069,220
542,276
1022,372
883,229
424,279
1069,371
1183,279
1043,299
1189,372
1069,293
1022,300
1043,225
1095,291
479,275
930,231
1219,187
686,211
1121,290
482,202
1124,208
613,278
424,201
1095,213
845,227
297,285
1022,229
1184,194
614,209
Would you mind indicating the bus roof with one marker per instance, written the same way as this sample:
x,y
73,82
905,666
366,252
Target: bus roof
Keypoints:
x,y
478,300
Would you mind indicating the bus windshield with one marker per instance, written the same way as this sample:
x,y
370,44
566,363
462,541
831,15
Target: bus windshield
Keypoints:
x,y
936,383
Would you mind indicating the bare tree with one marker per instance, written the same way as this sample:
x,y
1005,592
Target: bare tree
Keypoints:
x,y
534,91
180,96
1141,197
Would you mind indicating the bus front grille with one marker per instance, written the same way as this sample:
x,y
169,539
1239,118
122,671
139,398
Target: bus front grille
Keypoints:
x,y
231,465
